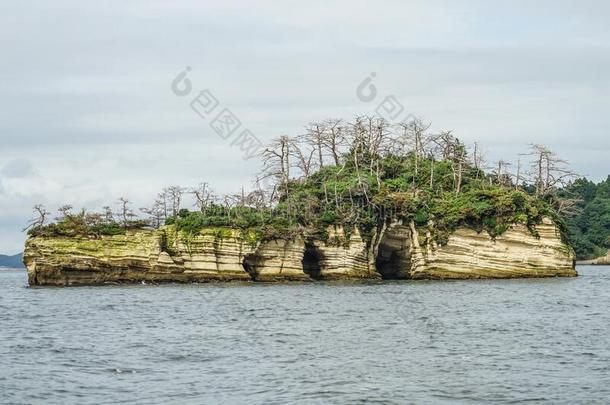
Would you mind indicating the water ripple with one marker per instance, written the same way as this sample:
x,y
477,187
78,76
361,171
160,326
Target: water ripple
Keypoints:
x,y
488,341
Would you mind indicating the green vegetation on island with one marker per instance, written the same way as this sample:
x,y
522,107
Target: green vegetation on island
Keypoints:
x,y
363,174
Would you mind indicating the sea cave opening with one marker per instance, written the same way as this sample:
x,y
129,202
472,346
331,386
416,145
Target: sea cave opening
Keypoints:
x,y
311,260
393,259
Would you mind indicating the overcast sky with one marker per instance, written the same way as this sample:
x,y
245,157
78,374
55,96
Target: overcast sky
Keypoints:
x,y
87,113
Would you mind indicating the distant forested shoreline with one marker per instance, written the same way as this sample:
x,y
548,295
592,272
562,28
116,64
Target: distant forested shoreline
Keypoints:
x,y
589,223
14,261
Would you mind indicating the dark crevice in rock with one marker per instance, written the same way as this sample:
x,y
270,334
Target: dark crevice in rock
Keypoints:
x,y
393,259
163,242
249,264
311,260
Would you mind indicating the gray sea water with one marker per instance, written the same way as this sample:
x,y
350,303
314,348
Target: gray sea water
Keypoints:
x,y
502,341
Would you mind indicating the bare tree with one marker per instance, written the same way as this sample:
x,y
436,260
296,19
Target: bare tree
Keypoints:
x,y
475,156
303,158
276,159
108,215
358,139
65,212
256,199
502,173
204,196
231,201
380,142
458,160
379,135
431,171
94,219
162,201
315,135
446,144
334,139
568,205
174,196
40,218
548,171
266,189
276,164
451,149
155,214
126,212
418,129
518,176
415,139
478,160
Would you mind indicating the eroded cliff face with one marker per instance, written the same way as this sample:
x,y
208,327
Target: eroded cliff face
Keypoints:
x,y
142,255
344,255
516,253
216,254
278,260
219,254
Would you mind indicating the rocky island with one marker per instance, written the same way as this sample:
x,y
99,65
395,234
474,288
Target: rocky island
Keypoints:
x,y
381,201
227,254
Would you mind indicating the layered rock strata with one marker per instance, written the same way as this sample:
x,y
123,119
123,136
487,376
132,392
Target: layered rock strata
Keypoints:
x,y
515,253
397,251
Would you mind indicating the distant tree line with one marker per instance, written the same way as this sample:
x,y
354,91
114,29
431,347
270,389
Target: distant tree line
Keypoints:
x,y
589,216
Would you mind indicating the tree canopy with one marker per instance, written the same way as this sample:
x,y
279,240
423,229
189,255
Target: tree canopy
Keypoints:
x,y
589,223
364,173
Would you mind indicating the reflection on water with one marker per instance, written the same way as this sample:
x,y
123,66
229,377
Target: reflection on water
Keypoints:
x,y
544,340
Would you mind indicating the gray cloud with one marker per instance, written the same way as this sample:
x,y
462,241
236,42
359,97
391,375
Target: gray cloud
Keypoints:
x,y
18,168
86,112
